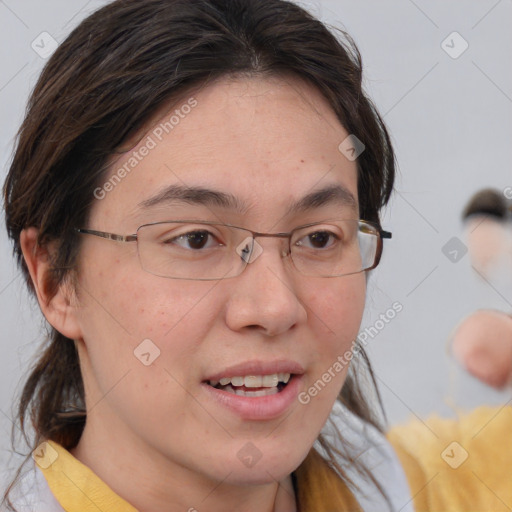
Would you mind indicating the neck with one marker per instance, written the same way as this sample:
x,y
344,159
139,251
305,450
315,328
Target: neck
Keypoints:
x,y
150,482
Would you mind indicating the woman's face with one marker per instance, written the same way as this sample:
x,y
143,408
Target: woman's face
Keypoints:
x,y
149,344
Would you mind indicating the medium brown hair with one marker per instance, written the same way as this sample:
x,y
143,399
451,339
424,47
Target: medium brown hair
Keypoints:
x,y
101,86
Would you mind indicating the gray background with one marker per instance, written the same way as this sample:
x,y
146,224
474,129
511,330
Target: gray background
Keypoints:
x,y
451,125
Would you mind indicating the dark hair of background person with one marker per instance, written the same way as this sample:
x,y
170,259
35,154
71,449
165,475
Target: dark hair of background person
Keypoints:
x,y
102,86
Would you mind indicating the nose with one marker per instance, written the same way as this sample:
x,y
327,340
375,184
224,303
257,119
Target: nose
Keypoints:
x,y
265,295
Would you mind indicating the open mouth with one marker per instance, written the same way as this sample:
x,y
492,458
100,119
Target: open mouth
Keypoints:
x,y
253,385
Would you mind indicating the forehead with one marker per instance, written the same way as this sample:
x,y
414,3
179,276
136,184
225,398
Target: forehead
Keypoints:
x,y
266,143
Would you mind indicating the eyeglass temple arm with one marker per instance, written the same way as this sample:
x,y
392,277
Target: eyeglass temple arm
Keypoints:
x,y
385,234
109,236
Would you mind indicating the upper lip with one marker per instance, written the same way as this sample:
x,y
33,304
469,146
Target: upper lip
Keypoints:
x,y
258,368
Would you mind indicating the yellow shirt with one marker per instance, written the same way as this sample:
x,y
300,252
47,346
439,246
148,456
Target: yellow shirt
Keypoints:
x,y
451,465
74,485
461,465
319,488
78,489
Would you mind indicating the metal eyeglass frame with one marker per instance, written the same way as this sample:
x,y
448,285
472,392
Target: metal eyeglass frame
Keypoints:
x,y
134,238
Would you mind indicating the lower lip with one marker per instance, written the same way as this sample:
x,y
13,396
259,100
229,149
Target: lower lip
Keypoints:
x,y
258,407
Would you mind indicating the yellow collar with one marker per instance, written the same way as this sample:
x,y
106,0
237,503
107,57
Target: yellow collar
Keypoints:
x,y
78,489
73,484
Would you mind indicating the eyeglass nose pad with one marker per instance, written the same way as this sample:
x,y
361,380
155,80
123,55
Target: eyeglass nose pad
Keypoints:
x,y
249,249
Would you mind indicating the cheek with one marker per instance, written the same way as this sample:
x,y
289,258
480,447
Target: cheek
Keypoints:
x,y
338,307
129,321
335,314
120,314
142,305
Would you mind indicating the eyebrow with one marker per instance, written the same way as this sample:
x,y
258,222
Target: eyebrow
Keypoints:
x,y
196,195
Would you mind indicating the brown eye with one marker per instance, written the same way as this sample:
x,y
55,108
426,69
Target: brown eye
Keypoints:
x,y
318,240
192,240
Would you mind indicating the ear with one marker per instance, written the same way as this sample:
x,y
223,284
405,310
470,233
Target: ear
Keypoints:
x,y
58,310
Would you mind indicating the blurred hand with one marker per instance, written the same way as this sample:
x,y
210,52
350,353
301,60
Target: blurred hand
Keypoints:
x,y
482,344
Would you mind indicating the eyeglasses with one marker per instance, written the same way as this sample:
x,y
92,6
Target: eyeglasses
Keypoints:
x,y
204,250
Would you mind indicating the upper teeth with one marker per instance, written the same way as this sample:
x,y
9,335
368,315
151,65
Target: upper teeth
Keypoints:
x,y
254,381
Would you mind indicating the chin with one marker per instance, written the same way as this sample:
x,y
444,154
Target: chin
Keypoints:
x,y
259,474
268,469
